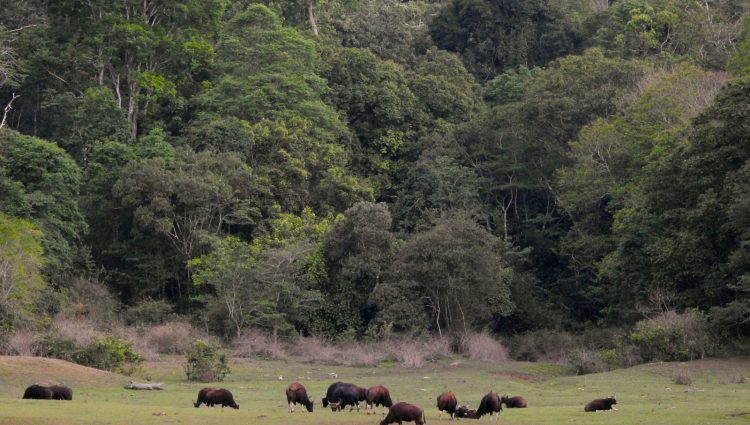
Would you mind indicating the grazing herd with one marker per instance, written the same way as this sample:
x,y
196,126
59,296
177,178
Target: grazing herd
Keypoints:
x,y
342,394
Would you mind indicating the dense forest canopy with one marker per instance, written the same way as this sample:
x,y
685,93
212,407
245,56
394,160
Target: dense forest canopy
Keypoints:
x,y
355,168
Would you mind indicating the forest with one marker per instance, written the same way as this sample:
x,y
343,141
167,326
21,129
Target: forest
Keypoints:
x,y
357,169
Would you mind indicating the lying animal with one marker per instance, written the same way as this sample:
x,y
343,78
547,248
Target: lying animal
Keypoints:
x,y
601,404
404,412
54,392
513,402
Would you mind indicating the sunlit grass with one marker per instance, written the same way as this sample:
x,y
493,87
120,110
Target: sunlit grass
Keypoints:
x,y
646,394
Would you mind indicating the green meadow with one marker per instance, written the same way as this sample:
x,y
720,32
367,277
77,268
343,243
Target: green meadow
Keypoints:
x,y
646,394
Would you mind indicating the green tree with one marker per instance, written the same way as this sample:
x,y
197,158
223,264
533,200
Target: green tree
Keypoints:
x,y
437,185
21,282
492,36
453,277
391,29
616,191
267,79
271,283
41,183
172,206
357,251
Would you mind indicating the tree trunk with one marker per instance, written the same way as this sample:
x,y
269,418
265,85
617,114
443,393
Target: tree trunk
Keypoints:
x,y
311,17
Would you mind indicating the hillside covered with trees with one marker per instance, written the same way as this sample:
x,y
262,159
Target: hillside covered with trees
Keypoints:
x,y
356,169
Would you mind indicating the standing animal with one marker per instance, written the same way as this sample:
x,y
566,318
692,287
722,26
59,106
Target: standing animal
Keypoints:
x,y
37,392
202,397
296,393
362,394
61,392
341,394
404,412
465,412
513,402
214,396
601,404
377,395
490,404
446,402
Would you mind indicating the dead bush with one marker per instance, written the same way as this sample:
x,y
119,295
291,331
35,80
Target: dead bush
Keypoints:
x,y
412,353
170,338
91,299
591,361
22,343
542,345
407,354
682,377
313,349
256,343
733,378
365,354
81,330
482,346
139,341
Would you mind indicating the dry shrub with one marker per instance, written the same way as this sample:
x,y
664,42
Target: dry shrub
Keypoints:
x,y
365,354
140,343
413,354
734,378
682,377
170,338
586,361
81,330
313,349
482,346
543,345
22,343
407,354
256,343
91,299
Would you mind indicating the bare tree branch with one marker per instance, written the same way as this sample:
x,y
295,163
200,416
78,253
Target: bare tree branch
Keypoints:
x,y
8,108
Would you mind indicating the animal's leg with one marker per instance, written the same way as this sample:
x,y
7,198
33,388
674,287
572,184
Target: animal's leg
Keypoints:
x,y
614,408
291,407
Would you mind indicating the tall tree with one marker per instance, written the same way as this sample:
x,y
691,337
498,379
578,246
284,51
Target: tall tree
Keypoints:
x,y
357,252
40,182
492,36
21,282
453,277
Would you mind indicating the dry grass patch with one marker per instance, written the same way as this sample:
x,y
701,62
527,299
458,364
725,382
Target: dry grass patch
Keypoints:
x,y
683,377
81,330
256,343
170,338
482,346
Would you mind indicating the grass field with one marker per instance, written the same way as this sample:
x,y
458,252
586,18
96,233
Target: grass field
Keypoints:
x,y
645,394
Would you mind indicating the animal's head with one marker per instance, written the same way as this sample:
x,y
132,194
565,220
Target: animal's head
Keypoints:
x,y
309,406
387,401
504,398
325,401
196,404
235,406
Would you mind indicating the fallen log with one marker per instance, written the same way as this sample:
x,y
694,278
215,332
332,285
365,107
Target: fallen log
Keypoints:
x,y
140,386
